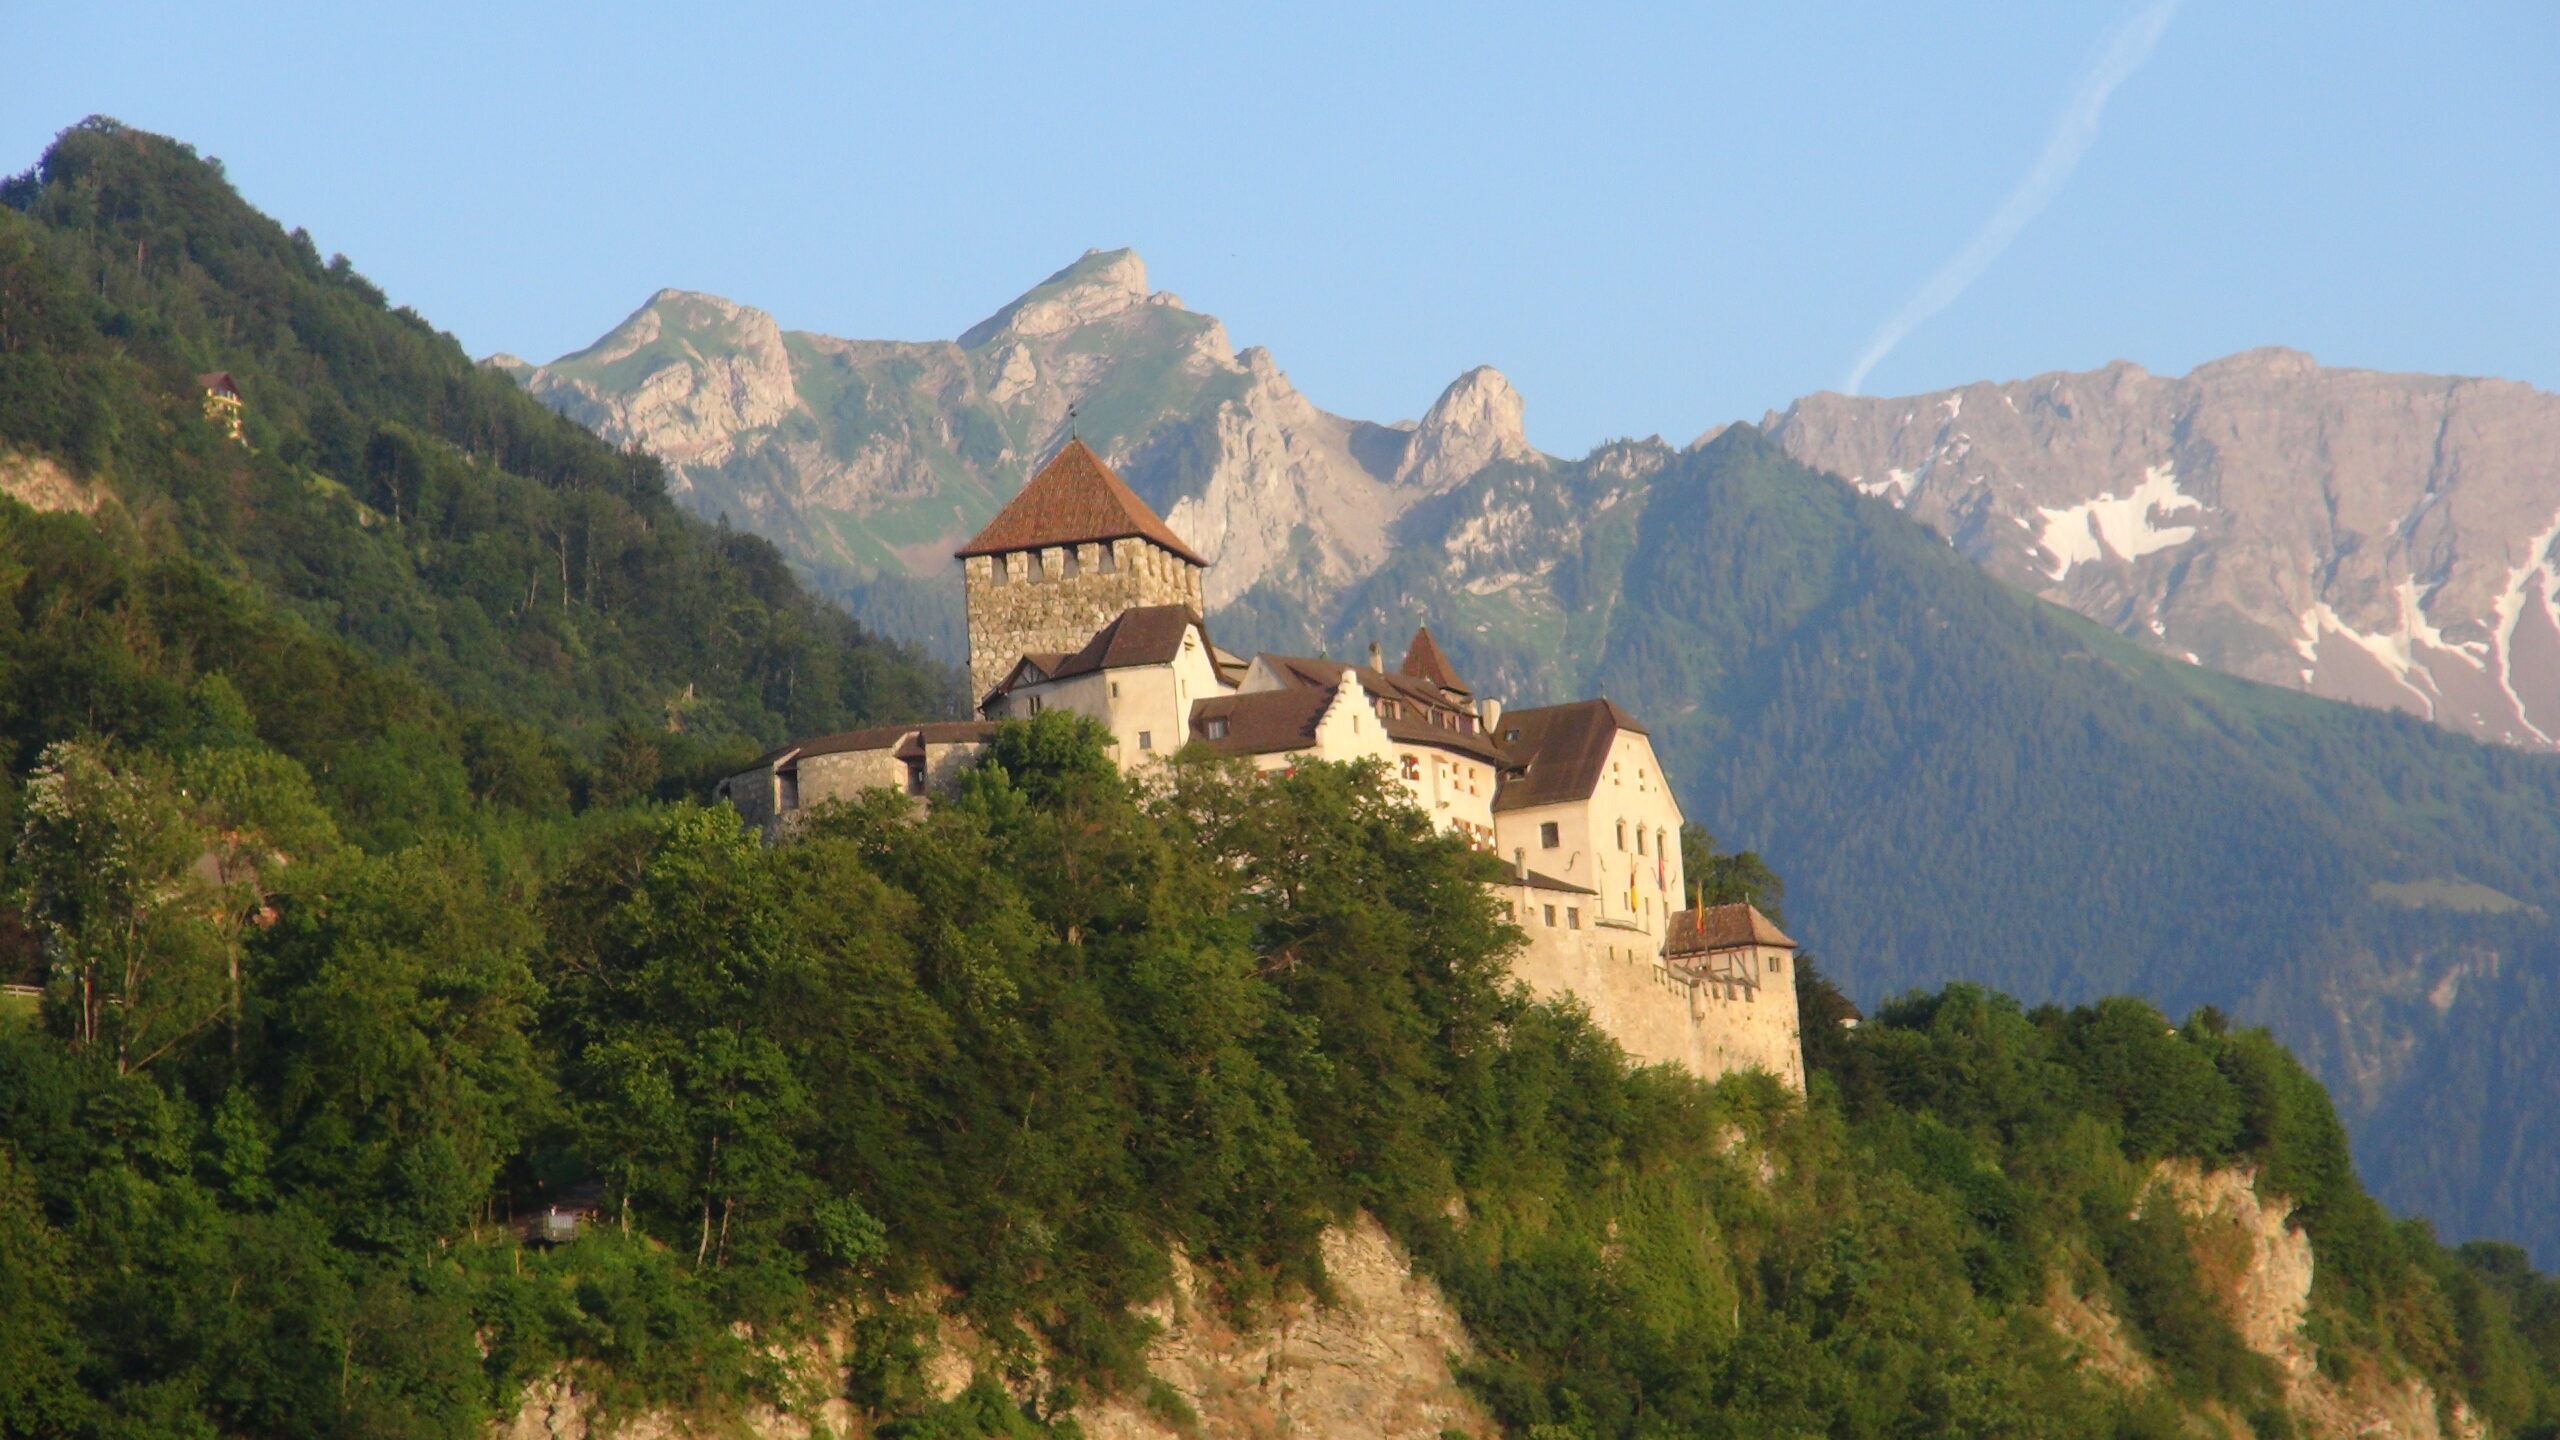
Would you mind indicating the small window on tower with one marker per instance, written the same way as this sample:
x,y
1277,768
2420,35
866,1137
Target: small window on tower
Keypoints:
x,y
1551,917
1115,689
1622,835
1550,835
1412,768
1033,570
915,775
1109,559
1572,917
1072,566
999,568
1146,739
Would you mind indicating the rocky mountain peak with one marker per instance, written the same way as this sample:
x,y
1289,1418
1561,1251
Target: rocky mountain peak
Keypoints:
x,y
1475,422
1100,284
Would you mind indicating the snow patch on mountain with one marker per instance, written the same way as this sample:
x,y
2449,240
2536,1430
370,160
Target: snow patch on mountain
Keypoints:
x,y
2127,526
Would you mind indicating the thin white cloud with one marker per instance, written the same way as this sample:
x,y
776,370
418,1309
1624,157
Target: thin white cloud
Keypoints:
x,y
2122,53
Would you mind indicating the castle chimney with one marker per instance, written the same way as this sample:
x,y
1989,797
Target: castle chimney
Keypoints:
x,y
1377,657
1520,864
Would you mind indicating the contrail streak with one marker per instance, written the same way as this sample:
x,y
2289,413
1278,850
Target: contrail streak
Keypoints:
x,y
2074,130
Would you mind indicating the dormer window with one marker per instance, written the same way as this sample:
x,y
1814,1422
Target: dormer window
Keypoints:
x,y
1215,727
1511,736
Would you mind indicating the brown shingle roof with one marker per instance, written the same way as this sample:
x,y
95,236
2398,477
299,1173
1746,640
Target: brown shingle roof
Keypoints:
x,y
1415,692
1558,751
1721,927
1141,635
883,737
1074,499
220,383
1423,661
1265,722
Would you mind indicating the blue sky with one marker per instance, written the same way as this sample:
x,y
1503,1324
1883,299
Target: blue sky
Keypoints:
x,y
1651,218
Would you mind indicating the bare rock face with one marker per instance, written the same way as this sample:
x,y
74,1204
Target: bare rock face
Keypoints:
x,y
2384,539
2249,1252
869,462
1373,1364
1475,422
40,484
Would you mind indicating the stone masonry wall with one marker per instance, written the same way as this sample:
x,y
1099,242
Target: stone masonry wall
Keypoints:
x,y
1709,1026
1017,614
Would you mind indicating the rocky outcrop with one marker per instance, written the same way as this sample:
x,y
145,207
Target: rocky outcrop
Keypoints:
x,y
2385,539
40,484
2250,1254
871,459
1475,422
1373,1363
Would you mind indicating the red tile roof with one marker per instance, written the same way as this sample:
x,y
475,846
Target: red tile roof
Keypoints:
x,y
1074,499
1722,927
1423,661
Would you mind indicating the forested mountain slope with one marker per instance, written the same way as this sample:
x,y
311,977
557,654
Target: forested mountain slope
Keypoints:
x,y
1961,782
404,564
362,940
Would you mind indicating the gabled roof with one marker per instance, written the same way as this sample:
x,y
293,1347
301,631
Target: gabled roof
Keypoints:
x,y
1559,752
1264,722
1141,635
1302,671
1074,499
220,383
1423,661
904,739
1721,927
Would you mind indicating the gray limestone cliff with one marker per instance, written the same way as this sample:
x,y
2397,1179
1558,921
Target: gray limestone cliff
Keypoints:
x,y
869,461
2379,538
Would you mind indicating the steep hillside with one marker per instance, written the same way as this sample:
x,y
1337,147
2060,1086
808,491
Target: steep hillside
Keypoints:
x,y
1961,782
514,587
2378,538
869,461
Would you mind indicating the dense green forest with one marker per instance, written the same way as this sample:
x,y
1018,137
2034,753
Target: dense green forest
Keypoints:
x,y
1960,781
351,835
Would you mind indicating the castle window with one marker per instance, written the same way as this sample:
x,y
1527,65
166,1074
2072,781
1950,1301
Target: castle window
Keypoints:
x,y
1622,835
1640,840
1115,689
1110,559
1146,739
1034,570
1215,727
1412,768
1776,964
1572,917
915,775
1551,917
787,782
1035,704
1000,569
1550,835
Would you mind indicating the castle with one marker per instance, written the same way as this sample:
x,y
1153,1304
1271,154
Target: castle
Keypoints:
x,y
1081,598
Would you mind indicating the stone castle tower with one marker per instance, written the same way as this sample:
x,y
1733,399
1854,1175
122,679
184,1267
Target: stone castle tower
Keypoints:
x,y
1061,561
